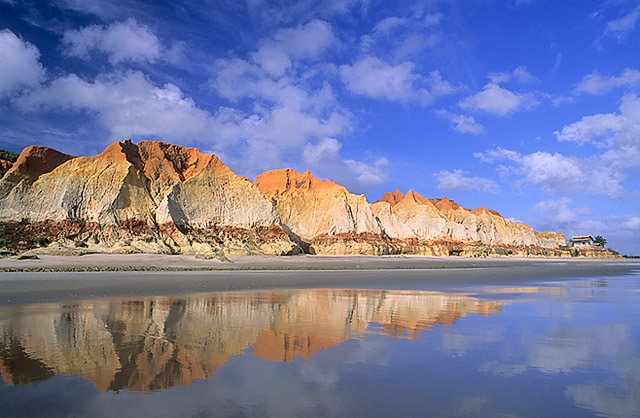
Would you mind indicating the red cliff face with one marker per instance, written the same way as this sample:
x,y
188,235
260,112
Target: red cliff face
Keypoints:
x,y
152,196
35,161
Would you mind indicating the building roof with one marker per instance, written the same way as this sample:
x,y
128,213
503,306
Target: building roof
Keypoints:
x,y
582,238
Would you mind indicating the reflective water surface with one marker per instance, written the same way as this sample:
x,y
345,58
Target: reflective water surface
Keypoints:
x,y
560,349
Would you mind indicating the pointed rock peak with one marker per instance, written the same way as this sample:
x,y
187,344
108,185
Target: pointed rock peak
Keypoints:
x,y
408,200
289,181
158,159
392,198
274,182
36,160
484,210
420,199
445,204
119,149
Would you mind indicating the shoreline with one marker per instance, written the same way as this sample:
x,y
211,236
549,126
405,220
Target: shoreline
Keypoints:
x,y
266,273
163,262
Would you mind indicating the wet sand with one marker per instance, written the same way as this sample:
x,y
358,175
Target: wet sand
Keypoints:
x,y
258,272
299,262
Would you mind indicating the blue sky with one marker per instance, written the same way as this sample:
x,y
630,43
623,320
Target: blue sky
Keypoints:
x,y
528,107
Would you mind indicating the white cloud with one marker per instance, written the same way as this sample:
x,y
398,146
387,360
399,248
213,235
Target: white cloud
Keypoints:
x,y
19,64
324,156
621,231
129,105
121,41
557,173
377,79
498,154
624,26
608,129
457,180
520,74
301,43
374,78
558,212
98,7
462,123
597,84
403,37
388,24
497,100
237,79
292,112
561,174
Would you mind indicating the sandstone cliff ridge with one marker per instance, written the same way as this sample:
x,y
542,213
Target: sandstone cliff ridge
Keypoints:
x,y
156,197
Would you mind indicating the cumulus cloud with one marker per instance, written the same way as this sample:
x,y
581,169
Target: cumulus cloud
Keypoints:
x,y
125,41
19,63
497,100
597,84
377,79
462,123
458,180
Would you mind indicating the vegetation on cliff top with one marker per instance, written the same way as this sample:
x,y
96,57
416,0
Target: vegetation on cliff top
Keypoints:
x,y
8,155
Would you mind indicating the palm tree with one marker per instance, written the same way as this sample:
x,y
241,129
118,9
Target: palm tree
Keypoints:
x,y
600,240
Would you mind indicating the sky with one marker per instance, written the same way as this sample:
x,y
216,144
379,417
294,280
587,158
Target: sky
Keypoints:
x,y
527,107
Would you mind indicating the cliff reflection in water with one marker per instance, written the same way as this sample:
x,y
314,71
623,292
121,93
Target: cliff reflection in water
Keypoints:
x,y
155,343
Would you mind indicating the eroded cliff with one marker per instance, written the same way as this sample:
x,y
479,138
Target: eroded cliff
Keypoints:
x,y
160,198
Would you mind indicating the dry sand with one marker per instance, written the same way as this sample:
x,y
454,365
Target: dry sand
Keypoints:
x,y
258,272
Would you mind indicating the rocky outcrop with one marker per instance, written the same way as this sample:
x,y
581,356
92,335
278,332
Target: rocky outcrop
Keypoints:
x,y
156,343
145,197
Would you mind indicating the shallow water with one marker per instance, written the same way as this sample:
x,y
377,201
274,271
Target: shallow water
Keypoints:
x,y
545,349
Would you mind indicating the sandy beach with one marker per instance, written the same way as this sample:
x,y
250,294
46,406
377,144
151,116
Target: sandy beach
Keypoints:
x,y
258,272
